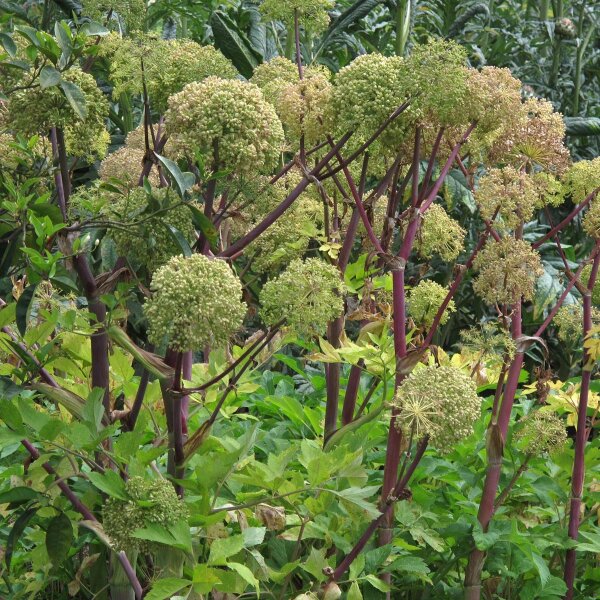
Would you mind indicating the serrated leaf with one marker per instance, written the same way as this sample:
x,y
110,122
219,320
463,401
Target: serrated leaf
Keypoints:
x,y
221,549
59,538
166,588
246,574
110,483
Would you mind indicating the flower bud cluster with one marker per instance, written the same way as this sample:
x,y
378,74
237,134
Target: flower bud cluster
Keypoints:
x,y
585,278
307,295
228,121
196,302
488,341
542,432
440,402
132,12
569,321
150,502
508,270
591,221
581,179
425,299
144,238
510,192
36,111
312,14
125,164
440,235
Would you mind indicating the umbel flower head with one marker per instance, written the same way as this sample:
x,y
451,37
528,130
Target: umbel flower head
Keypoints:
x,y
591,221
541,432
196,302
585,278
228,120
312,14
169,65
440,402
511,192
508,270
307,296
488,341
143,235
440,235
581,179
425,299
569,322
36,111
150,502
131,12
125,164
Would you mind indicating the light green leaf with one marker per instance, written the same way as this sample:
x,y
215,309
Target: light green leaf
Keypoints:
x,y
166,588
222,549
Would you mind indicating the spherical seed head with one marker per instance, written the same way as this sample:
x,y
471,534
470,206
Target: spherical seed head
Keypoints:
x,y
507,270
425,299
565,28
366,92
125,164
536,140
36,111
581,179
585,277
307,295
312,14
144,238
225,119
512,193
149,502
440,235
440,402
196,302
591,221
303,107
542,432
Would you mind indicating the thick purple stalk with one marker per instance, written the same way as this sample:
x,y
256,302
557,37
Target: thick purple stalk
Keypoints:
x,y
581,437
351,394
332,375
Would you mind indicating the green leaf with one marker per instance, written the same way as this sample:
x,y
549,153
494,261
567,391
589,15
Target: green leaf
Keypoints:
x,y
234,44
49,76
177,536
205,225
23,305
8,314
377,583
355,496
542,568
253,536
166,588
484,540
246,574
8,44
110,483
93,410
75,97
354,592
19,495
582,126
221,549
184,180
59,538
179,239
15,533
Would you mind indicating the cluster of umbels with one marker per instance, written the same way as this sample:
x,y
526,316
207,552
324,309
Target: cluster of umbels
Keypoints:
x,y
311,14
306,296
36,110
424,301
507,270
581,179
439,235
196,302
149,502
228,121
488,341
131,12
541,432
143,234
439,402
168,66
569,322
586,273
125,165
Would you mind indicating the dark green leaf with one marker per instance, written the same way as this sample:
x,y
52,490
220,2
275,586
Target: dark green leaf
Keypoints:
x,y
166,588
18,495
15,533
49,76
179,239
8,44
110,483
582,126
183,180
75,97
205,225
59,538
23,305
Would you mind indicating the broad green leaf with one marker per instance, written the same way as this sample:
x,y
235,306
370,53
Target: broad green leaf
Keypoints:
x,y
166,588
49,77
179,239
354,592
75,97
59,538
8,44
19,495
246,574
15,533
23,305
110,483
93,410
223,548
184,180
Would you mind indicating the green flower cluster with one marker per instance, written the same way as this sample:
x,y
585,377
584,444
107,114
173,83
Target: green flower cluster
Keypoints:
x,y
489,341
542,432
36,111
307,295
569,321
508,270
229,121
440,402
585,278
132,12
125,164
312,14
169,65
196,302
581,179
591,221
511,192
150,502
11,157
425,299
143,234
440,235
